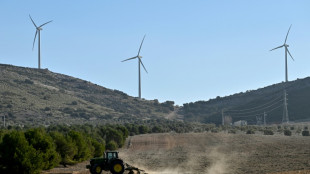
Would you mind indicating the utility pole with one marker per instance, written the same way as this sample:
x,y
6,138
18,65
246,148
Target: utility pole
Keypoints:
x,y
4,121
265,118
223,117
285,118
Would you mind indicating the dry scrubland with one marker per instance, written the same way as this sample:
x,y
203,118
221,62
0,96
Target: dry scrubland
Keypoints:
x,y
218,153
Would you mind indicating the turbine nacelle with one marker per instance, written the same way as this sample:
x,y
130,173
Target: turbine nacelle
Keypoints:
x,y
139,57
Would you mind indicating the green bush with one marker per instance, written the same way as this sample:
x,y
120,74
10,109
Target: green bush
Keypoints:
x,y
250,131
268,132
215,130
287,132
112,145
305,133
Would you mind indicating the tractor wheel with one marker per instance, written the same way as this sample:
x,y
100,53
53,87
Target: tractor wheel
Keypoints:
x,y
96,169
117,167
131,172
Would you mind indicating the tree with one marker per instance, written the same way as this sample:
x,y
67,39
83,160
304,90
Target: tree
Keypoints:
x,y
65,147
44,145
83,147
17,156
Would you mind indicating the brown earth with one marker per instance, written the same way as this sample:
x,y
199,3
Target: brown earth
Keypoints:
x,y
215,153
218,153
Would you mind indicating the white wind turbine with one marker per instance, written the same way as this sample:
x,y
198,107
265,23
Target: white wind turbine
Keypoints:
x,y
38,29
139,63
286,51
285,117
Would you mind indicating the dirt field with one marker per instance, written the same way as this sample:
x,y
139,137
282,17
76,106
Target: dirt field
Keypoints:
x,y
218,153
213,153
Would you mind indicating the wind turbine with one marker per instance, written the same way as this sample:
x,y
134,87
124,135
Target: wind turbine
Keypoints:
x,y
286,51
285,117
38,29
139,63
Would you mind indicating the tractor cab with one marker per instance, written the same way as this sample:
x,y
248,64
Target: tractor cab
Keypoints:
x,y
110,155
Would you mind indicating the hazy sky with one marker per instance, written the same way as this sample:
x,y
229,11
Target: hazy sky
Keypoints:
x,y
193,50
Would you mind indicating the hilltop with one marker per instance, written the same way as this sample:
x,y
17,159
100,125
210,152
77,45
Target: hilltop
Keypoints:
x,y
41,97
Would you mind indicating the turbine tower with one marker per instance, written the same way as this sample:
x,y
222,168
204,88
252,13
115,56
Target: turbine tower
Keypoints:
x,y
285,118
38,29
139,63
286,51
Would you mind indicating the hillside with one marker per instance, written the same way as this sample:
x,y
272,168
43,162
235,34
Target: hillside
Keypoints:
x,y
247,105
40,97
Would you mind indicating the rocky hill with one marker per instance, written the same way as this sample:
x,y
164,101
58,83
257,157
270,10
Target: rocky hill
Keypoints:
x,y
253,103
41,97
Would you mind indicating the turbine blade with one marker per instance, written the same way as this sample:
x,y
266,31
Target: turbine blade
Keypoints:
x,y
287,34
33,21
290,54
34,40
141,46
277,47
45,23
142,65
130,58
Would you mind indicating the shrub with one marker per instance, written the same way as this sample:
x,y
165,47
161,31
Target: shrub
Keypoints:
x,y
214,130
232,131
74,103
112,145
27,81
47,109
305,133
268,132
287,132
250,131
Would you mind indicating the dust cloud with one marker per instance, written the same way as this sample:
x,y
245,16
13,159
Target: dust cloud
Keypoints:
x,y
182,160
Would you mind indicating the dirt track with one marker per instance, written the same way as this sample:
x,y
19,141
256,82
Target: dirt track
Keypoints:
x,y
217,153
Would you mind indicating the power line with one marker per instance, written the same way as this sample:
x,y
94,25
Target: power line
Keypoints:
x,y
256,106
260,113
257,110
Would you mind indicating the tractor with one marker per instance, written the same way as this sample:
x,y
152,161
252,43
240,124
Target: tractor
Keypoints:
x,y
111,162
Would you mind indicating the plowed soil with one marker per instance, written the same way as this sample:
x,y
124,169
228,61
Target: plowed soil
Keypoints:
x,y
218,153
213,153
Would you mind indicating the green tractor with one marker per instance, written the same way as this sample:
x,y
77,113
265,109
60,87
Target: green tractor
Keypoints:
x,y
110,162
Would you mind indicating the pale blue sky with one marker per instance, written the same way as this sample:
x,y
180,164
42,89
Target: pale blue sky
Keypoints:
x,y
193,50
